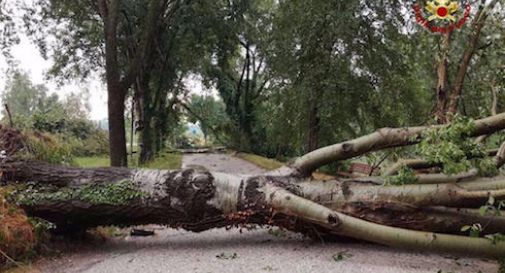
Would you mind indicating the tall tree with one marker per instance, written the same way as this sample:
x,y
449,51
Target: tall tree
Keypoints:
x,y
449,95
101,32
238,67
117,85
344,61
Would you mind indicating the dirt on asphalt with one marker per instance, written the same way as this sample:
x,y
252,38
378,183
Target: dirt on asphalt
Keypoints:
x,y
259,250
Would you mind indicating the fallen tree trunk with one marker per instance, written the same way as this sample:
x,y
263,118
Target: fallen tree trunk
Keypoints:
x,y
427,215
197,201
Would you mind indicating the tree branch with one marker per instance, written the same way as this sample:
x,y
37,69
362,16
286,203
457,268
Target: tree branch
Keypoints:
x,y
382,139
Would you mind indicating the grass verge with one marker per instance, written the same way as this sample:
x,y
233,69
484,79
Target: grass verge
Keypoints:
x,y
272,164
169,161
260,161
92,162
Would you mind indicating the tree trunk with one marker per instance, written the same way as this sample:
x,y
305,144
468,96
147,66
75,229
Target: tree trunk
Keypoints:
x,y
443,80
199,200
115,90
117,132
145,118
313,123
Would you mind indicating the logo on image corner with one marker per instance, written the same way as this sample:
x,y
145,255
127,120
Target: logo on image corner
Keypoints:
x,y
442,16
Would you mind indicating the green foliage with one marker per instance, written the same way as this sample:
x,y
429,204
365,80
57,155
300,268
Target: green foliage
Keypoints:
x,y
210,114
167,161
405,176
119,193
364,64
70,133
41,228
94,144
473,230
495,238
263,162
492,207
23,97
452,147
92,162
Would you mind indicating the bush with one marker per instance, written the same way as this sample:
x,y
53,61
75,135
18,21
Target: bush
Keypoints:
x,y
95,144
47,147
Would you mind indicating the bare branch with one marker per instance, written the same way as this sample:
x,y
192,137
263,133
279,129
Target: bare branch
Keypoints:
x,y
500,156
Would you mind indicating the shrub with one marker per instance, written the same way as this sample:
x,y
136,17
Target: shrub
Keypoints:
x,y
95,144
46,147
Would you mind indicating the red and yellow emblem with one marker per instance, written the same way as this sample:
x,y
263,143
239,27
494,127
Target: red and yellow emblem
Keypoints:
x,y
442,15
442,9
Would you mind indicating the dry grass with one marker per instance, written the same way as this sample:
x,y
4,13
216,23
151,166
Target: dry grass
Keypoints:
x,y
16,233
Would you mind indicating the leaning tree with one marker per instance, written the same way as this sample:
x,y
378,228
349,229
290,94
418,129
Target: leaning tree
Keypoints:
x,y
430,211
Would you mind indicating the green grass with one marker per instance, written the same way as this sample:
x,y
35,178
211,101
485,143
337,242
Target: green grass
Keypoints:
x,y
502,266
92,162
170,161
272,164
263,162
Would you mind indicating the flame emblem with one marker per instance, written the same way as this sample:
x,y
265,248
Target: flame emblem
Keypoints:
x,y
442,9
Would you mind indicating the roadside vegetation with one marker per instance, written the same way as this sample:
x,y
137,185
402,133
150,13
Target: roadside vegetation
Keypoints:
x,y
263,162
